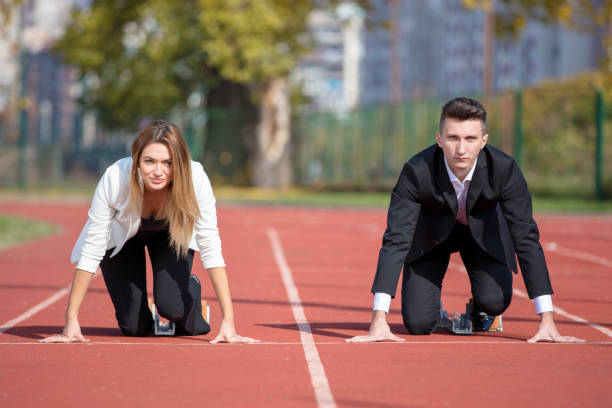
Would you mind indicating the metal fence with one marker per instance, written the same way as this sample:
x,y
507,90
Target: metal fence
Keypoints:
x,y
553,134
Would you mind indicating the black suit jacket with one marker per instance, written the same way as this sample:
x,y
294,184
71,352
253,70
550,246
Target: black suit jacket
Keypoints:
x,y
423,213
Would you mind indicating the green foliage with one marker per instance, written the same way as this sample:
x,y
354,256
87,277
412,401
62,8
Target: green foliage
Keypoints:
x,y
137,58
146,57
559,126
253,40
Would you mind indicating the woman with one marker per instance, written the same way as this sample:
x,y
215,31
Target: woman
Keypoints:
x,y
160,199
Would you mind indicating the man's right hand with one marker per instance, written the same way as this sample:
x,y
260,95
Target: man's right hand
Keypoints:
x,y
379,330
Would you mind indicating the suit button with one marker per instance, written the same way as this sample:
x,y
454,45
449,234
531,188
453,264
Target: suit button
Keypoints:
x,y
422,251
436,242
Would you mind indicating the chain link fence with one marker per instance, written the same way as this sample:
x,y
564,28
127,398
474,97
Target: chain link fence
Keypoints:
x,y
551,131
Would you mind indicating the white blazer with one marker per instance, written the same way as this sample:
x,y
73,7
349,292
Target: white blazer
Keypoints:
x,y
110,224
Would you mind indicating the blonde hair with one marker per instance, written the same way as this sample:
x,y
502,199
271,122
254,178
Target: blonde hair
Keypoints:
x,y
181,210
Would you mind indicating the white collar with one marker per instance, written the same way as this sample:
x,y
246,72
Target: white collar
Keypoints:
x,y
454,178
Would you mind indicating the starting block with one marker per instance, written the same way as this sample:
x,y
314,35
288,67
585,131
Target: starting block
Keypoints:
x,y
462,323
163,327
459,323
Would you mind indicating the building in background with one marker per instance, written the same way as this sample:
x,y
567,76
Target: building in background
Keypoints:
x,y
33,29
417,49
321,72
56,129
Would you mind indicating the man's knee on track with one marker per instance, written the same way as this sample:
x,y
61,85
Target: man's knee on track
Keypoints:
x,y
493,305
420,324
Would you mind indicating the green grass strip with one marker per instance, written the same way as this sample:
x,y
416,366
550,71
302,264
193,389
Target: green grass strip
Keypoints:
x,y
15,231
381,199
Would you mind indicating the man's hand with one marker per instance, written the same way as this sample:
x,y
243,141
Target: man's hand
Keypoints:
x,y
547,331
379,330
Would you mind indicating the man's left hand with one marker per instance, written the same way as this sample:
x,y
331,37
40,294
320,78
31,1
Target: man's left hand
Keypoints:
x,y
547,331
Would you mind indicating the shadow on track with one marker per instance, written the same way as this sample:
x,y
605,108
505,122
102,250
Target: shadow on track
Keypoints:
x,y
330,329
40,332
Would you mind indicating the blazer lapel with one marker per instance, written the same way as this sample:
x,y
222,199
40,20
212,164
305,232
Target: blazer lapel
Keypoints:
x,y
444,184
478,180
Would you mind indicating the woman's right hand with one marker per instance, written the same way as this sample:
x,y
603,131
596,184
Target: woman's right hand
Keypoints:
x,y
71,334
72,330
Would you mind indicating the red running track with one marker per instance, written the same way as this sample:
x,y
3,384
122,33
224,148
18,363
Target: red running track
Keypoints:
x,y
331,256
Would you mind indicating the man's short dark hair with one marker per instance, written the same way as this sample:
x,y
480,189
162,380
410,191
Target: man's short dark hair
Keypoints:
x,y
464,109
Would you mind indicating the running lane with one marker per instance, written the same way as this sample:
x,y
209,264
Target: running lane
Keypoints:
x,y
114,370
333,256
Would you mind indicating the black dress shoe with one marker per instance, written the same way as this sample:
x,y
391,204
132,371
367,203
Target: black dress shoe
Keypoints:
x,y
483,322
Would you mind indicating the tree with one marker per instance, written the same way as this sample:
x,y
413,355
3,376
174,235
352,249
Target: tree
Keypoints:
x,y
137,58
143,58
257,43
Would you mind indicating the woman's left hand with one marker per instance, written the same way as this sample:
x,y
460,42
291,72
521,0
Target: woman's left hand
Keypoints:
x,y
227,334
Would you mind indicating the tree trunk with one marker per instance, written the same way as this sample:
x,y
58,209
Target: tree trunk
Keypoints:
x,y
272,155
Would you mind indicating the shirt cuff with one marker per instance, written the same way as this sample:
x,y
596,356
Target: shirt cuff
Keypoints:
x,y
543,304
212,261
88,265
382,301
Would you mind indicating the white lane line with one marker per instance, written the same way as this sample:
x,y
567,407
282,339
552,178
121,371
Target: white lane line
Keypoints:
x,y
570,316
572,253
315,367
326,343
32,311
521,294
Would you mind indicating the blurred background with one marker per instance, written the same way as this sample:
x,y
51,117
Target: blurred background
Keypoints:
x,y
310,94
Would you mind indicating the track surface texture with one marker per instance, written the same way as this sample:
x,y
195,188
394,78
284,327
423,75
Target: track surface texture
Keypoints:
x,y
300,280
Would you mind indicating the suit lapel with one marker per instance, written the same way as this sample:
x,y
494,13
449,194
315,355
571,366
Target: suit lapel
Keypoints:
x,y
443,182
478,180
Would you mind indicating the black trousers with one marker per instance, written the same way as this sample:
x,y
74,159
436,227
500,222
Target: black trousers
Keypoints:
x,y
177,296
490,279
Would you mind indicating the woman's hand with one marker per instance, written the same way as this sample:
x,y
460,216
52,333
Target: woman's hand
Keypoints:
x,y
227,334
71,334
227,330
72,330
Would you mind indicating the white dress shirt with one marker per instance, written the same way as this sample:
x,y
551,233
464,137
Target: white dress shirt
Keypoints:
x,y
382,301
111,224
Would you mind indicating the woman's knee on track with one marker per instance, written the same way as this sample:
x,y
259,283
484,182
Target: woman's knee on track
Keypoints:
x,y
171,308
136,327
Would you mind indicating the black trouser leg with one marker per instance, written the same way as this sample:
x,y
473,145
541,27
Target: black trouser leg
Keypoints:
x,y
177,297
125,278
490,279
421,288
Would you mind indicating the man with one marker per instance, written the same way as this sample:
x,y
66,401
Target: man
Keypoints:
x,y
460,195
